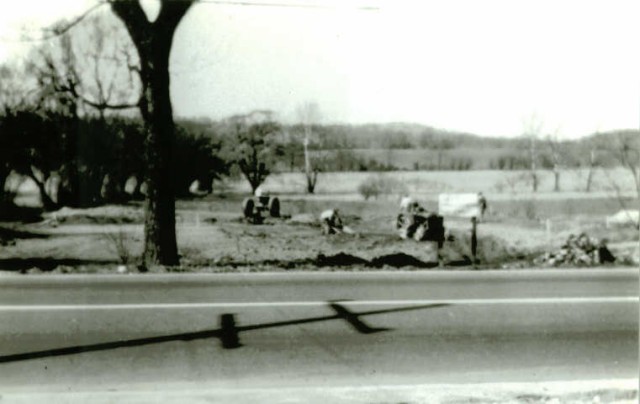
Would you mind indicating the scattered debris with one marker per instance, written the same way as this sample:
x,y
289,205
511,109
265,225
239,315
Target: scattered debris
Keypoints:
x,y
580,250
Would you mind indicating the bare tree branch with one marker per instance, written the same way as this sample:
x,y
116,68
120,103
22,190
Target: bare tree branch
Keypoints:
x,y
106,105
286,5
64,27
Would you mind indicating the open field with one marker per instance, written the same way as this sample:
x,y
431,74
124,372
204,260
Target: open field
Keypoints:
x,y
212,235
428,184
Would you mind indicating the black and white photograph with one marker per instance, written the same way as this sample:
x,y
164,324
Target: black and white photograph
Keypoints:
x,y
319,201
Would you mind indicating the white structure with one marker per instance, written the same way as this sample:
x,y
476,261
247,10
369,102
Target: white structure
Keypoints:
x,y
624,217
459,205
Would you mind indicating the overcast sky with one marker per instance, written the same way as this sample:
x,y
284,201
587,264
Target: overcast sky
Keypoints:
x,y
481,66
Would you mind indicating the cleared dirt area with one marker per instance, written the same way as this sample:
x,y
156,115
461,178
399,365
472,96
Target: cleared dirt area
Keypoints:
x,y
213,236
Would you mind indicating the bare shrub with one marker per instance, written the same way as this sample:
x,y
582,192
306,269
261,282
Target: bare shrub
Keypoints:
x,y
376,186
530,210
513,182
120,244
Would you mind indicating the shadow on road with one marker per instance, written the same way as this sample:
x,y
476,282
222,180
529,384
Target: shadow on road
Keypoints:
x,y
228,333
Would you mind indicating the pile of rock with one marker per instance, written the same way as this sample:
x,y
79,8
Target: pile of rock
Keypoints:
x,y
579,250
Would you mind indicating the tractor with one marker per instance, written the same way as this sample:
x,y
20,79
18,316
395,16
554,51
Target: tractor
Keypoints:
x,y
255,209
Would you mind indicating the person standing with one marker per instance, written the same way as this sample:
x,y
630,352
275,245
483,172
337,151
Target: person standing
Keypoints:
x,y
482,203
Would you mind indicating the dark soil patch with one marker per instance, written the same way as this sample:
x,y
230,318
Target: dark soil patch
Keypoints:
x,y
462,262
399,260
12,213
88,219
289,264
9,236
46,264
339,260
7,233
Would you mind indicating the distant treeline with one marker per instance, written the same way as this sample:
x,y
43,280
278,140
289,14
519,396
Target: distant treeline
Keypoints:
x,y
389,147
88,160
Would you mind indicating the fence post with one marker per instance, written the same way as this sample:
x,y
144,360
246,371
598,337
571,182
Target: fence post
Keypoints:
x,y
229,332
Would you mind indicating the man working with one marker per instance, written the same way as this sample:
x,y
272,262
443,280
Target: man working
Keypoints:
x,y
332,222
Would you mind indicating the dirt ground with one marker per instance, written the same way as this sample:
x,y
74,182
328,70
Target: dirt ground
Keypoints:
x,y
212,236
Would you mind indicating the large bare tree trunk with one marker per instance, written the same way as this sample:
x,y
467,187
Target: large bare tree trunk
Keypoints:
x,y
153,41
310,174
309,113
555,147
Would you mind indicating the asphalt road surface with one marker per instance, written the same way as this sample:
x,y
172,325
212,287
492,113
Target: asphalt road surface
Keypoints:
x,y
77,333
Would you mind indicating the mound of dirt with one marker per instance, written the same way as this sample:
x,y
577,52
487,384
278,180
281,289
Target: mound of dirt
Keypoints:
x,y
491,251
399,260
288,264
48,264
339,260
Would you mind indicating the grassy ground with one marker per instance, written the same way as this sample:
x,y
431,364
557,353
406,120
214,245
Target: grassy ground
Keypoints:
x,y
428,184
213,237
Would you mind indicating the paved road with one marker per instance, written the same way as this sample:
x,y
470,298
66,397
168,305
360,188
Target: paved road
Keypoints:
x,y
319,329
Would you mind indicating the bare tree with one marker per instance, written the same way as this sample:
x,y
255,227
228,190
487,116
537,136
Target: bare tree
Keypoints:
x,y
254,146
153,41
442,145
309,114
110,64
10,100
532,130
16,91
555,149
85,72
625,148
94,66
593,162
627,152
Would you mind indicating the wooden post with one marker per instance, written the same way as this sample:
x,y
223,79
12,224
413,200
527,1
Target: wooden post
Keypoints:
x,y
229,332
474,240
